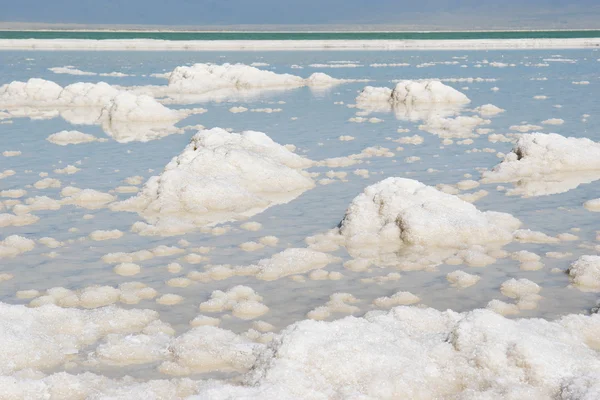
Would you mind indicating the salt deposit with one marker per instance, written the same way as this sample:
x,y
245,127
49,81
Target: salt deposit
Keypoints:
x,y
213,82
64,138
467,352
399,298
405,212
119,112
105,235
585,273
289,262
242,301
14,245
338,303
542,164
450,128
462,279
86,198
47,336
241,175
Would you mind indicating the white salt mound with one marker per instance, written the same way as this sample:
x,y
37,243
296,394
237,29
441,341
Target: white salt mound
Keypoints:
x,y
64,138
219,177
547,164
413,92
406,212
202,82
413,100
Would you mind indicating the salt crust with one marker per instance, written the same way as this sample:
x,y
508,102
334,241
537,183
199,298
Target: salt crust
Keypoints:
x,y
585,273
467,352
95,296
141,255
542,164
424,353
219,177
47,336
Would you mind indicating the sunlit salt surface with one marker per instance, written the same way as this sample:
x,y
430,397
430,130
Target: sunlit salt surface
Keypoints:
x,y
316,199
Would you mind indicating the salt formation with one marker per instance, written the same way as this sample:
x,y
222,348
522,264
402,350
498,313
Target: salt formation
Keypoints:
x,y
450,128
424,353
141,255
47,336
338,303
14,245
462,279
585,273
398,212
95,296
413,100
207,348
542,164
242,301
86,198
207,82
524,291
119,112
399,298
219,177
289,262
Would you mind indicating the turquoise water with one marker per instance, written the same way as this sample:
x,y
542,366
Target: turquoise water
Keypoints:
x,y
299,35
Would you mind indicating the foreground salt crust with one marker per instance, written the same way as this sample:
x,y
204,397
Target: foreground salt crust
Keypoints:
x,y
47,336
542,164
219,177
398,212
424,353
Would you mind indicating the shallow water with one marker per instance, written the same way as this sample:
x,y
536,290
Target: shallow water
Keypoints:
x,y
315,132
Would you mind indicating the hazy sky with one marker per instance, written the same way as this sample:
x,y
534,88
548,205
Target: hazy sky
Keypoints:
x,y
229,12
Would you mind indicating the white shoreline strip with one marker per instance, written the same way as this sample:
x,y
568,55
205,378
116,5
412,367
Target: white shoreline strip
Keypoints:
x,y
265,45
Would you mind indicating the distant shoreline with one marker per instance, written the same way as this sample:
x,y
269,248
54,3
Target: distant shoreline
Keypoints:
x,y
293,31
275,45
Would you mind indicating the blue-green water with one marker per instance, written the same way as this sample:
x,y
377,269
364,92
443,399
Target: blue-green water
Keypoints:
x,y
298,35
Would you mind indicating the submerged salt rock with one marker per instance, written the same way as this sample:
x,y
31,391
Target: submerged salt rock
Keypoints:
x,y
292,261
220,176
585,273
407,212
544,164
